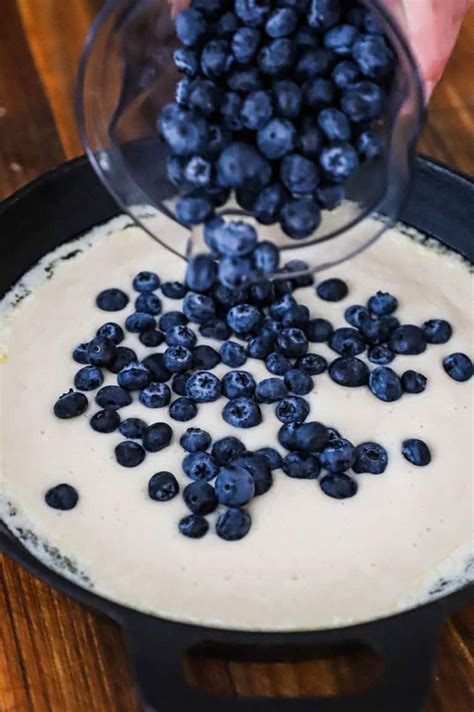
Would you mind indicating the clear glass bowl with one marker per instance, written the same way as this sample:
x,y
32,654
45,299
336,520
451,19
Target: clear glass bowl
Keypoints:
x,y
127,75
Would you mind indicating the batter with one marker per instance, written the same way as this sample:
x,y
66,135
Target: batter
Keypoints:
x,y
309,561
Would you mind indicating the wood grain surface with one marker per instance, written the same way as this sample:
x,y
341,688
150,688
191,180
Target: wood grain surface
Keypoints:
x,y
54,655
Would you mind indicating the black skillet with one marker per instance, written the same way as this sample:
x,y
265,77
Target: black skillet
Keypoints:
x,y
67,202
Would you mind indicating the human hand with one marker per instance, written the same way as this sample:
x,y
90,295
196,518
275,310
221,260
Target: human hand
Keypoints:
x,y
432,27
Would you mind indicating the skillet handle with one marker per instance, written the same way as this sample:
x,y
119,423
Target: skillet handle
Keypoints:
x,y
406,645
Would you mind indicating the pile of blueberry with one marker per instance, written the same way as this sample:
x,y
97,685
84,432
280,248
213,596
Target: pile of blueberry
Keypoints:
x,y
261,320
280,102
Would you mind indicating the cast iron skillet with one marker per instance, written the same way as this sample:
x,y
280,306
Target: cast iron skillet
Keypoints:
x,y
67,202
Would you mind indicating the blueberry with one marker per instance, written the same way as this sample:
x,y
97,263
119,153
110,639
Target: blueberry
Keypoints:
x,y
258,467
197,172
183,409
113,397
417,452
217,329
203,387
281,305
194,526
198,308
347,342
80,353
245,80
301,465
363,101
356,315
257,110
146,282
374,331
272,457
339,161
194,208
162,487
305,36
173,290
370,23
340,39
129,454
63,497
300,269
156,395
236,271
437,331
190,27
277,364
382,303
252,12
111,331
157,436
310,139
211,9
205,357
195,440
370,457
287,435
407,340
133,377
291,409
350,372
244,318
228,24
292,342
171,319
312,365
300,218
201,273
281,23
332,290
373,55
233,524
200,466
151,338
334,124
70,405
324,14
260,347
385,384
224,450
271,328
179,383
339,486
241,165
297,316
276,57
338,455
311,437
330,196
245,43
369,145
236,384
156,365
184,130
262,294
105,421
235,486
299,174
344,74
314,63
233,354
413,382
200,498
458,366
288,98
140,321
277,138
88,378
242,413
123,356
132,428
216,58
177,359
101,351
270,390
235,239
298,382
380,354
186,61
112,300
319,330
181,335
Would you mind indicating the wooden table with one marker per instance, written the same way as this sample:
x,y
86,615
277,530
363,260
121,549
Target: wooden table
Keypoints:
x,y
54,655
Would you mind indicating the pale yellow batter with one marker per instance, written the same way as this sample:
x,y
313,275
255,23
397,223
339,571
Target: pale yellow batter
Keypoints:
x,y
309,561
